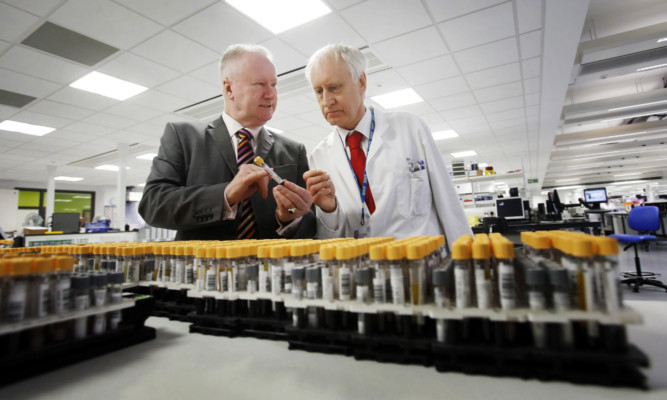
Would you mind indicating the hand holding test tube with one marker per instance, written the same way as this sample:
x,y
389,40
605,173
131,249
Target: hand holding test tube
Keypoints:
x,y
260,163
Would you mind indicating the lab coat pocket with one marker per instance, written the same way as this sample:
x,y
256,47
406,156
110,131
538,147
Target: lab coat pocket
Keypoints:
x,y
413,194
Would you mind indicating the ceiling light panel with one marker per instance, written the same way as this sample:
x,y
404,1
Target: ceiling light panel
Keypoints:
x,y
398,98
108,86
279,16
29,129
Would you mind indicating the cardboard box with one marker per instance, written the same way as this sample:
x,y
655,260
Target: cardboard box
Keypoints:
x,y
34,230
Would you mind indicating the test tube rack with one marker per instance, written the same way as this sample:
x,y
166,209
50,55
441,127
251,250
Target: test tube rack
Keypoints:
x,y
21,359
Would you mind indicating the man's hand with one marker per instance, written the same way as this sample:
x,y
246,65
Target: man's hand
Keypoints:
x,y
248,180
321,188
291,197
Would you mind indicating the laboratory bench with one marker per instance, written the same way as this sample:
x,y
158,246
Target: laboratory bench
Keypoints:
x,y
179,364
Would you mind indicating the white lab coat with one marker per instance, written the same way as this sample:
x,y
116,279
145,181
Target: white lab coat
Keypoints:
x,y
407,203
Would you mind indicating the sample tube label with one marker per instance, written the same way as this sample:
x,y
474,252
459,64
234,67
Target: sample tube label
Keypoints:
x,y
327,287
462,287
363,294
43,301
483,289
379,290
507,286
397,285
16,302
100,297
210,279
344,276
62,295
311,289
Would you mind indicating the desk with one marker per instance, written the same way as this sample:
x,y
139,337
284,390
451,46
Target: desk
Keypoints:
x,y
551,226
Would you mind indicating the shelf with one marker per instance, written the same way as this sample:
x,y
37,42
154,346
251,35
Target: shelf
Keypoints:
x,y
487,178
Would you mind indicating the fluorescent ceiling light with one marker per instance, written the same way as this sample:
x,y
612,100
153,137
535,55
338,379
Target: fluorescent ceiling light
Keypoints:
x,y
651,67
141,184
81,197
617,136
108,86
29,129
147,156
279,16
635,115
68,178
398,98
566,180
448,134
637,105
108,167
464,154
570,187
482,165
631,174
63,200
662,40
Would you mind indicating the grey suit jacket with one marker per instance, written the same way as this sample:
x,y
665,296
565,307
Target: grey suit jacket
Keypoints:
x,y
186,186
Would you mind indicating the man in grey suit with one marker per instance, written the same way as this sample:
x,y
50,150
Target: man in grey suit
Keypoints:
x,y
197,187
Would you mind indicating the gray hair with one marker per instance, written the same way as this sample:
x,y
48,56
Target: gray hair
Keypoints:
x,y
234,52
354,59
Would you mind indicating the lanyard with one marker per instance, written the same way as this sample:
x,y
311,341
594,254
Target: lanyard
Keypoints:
x,y
364,187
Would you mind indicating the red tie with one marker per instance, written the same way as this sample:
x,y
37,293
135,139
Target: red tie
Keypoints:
x,y
358,159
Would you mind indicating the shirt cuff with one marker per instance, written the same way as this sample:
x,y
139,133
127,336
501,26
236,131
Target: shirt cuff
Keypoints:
x,y
288,230
228,212
330,220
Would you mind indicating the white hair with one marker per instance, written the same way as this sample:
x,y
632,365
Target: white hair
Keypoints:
x,y
353,58
229,58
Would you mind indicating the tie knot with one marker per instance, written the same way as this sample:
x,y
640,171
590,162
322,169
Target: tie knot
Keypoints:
x,y
244,134
354,139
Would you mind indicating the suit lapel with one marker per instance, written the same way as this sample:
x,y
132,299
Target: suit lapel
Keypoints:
x,y
218,132
264,143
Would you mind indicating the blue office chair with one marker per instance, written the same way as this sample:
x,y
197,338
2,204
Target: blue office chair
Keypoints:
x,y
644,220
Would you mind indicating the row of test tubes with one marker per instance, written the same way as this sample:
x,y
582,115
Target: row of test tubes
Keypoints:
x,y
34,288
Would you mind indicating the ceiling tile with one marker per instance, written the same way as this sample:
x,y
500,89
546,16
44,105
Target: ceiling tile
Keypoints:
x,y
499,92
327,29
41,8
532,68
81,98
461,113
230,27
31,62
488,55
285,58
419,109
133,111
209,73
411,47
170,48
297,105
189,88
41,119
464,32
14,23
384,82
430,70
494,76
443,10
65,135
453,101
531,85
138,70
105,21
529,15
166,12
288,124
341,4
16,82
7,111
531,44
112,121
56,109
91,130
159,101
505,115
502,105
378,20
532,99
445,87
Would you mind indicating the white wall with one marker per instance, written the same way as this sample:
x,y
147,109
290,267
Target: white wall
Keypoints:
x,y
9,203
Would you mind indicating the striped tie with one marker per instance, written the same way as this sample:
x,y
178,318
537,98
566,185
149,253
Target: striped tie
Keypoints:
x,y
246,228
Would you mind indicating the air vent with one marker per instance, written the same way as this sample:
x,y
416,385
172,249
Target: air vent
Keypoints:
x,y
111,157
290,84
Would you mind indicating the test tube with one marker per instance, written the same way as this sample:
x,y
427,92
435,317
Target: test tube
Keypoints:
x,y
260,162
263,253
299,282
148,264
416,254
178,275
40,294
327,256
17,289
559,283
397,274
115,281
99,282
81,301
461,262
313,278
188,266
252,272
378,256
481,256
606,263
536,284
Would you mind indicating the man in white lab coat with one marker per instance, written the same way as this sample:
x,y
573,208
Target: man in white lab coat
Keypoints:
x,y
411,189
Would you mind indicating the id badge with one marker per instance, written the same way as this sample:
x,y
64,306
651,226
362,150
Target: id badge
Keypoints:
x,y
362,231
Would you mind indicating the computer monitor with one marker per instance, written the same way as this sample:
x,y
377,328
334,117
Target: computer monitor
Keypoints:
x,y
510,208
595,196
65,222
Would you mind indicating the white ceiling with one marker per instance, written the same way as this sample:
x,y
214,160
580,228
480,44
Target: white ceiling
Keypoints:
x,y
498,72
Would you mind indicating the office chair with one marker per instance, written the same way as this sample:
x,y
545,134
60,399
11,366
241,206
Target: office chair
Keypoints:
x,y
643,220
494,224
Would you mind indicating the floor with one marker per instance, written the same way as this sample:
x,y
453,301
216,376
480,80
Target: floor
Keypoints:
x,y
179,364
